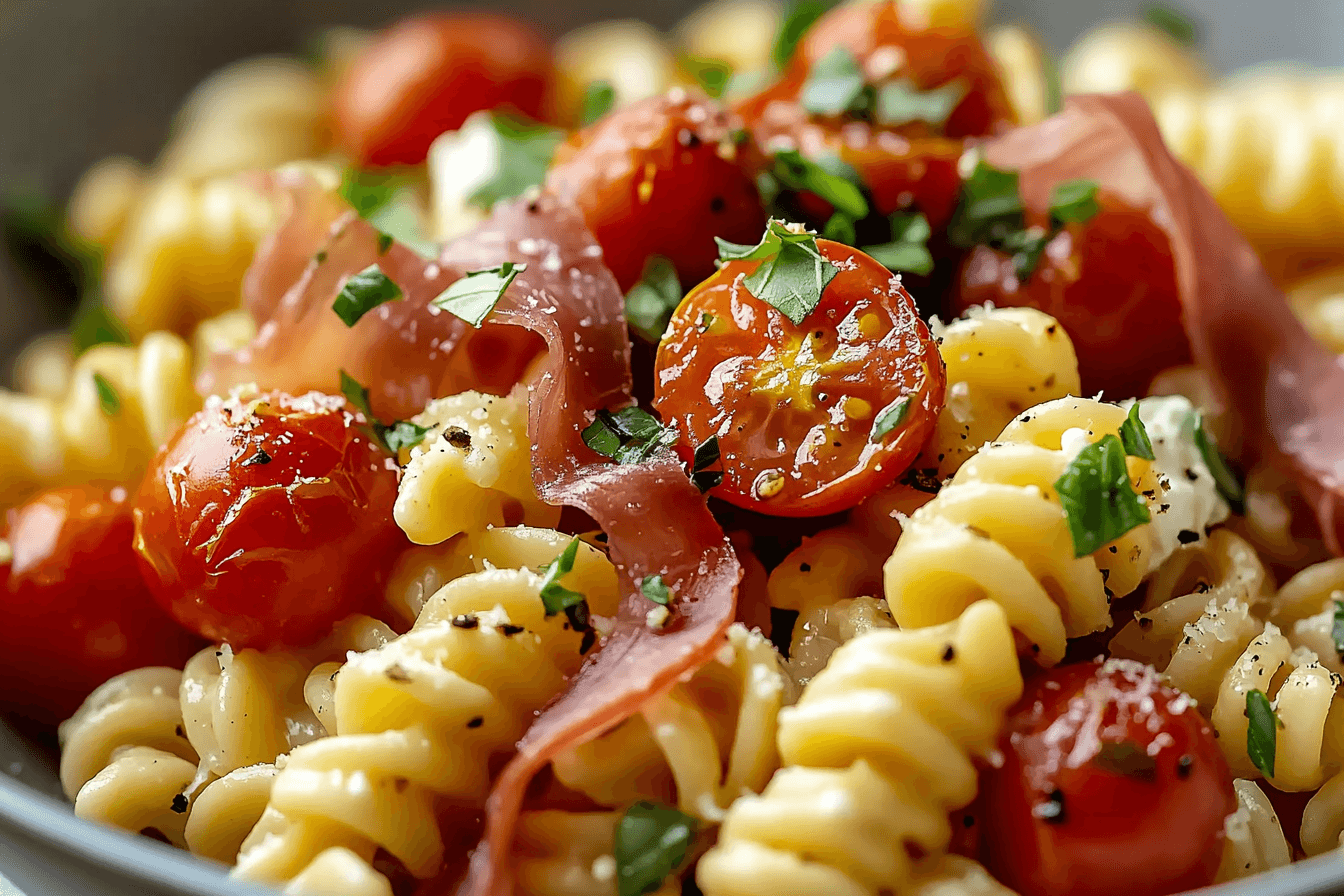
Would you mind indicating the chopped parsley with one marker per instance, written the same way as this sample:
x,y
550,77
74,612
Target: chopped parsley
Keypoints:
x,y
712,75
900,102
363,292
1054,84
628,436
368,191
1172,22
108,399
831,180
1074,201
401,434
706,456
556,598
94,324
652,841
524,153
598,98
908,250
1225,479
473,297
1337,628
655,589
835,86
792,275
650,302
404,434
891,417
799,15
1134,435
1099,501
1261,732
840,227
388,202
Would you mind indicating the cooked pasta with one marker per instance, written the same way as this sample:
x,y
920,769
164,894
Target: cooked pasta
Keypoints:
x,y
628,54
103,199
1255,840
566,853
224,812
223,333
997,531
738,33
952,875
122,403
1305,608
44,367
1319,302
140,790
877,751
1023,67
1131,56
1323,818
820,630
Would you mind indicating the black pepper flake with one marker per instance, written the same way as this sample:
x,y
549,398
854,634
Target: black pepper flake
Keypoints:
x,y
1191,475
1052,810
1145,622
925,481
1113,549
180,803
400,784
508,629
1186,536
717,205
465,622
180,733
968,821
321,256
256,460
1050,330
1184,766
949,653
804,567
589,639
688,138
457,437
476,722
396,673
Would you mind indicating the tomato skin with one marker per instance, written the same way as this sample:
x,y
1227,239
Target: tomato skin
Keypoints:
x,y
1111,283
75,608
1094,756
792,406
259,553
424,75
663,176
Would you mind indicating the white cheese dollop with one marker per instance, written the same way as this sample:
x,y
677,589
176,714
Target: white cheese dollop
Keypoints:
x,y
460,162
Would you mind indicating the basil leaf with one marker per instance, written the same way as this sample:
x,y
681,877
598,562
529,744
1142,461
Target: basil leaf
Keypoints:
x,y
1025,246
892,416
629,436
404,434
651,842
706,456
712,75
524,153
1054,84
1225,479
1074,201
357,395
1099,501
990,207
793,280
1173,22
108,399
473,297
908,250
900,102
655,590
401,434
598,98
835,85
1337,629
369,191
798,173
94,324
799,15
362,293
840,228
650,302
554,596
1134,435
1261,732
742,252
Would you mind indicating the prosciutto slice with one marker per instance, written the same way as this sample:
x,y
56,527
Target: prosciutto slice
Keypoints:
x,y
1282,393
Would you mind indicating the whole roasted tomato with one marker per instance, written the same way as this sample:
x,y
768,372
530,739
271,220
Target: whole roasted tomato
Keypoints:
x,y
268,518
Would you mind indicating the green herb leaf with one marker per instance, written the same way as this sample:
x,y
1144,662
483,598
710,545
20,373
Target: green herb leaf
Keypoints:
x,y
357,395
1337,629
1175,23
108,398
799,15
840,228
94,324
404,434
1074,201
796,172
1054,84
388,202
655,590
401,434
989,210
525,151
1261,732
900,102
1126,759
835,85
892,416
650,302
1099,501
362,293
652,841
712,75
474,296
369,191
598,98
1225,479
629,436
706,456
555,596
1134,435
1025,246
908,250
793,280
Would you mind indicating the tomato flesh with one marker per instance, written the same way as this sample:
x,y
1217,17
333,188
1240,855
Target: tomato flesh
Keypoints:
x,y
423,76
268,518
1103,760
793,406
1111,283
76,611
661,177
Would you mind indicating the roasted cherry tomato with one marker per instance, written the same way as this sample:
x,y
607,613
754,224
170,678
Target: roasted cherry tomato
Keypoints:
x,y
75,609
1102,759
660,177
796,408
1111,283
267,518
425,75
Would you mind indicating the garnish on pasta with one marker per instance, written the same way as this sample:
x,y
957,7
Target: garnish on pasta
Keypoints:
x,y
475,295
1099,500
363,292
652,841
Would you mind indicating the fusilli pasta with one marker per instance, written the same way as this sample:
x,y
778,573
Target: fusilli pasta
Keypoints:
x,y
1254,838
1319,302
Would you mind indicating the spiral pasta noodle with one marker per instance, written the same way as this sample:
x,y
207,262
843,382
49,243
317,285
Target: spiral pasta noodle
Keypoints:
x,y
877,751
1131,56
1305,608
1319,301
819,631
423,717
997,530
1254,840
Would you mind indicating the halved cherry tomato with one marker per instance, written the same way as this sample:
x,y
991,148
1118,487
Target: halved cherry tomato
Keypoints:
x,y
426,74
661,177
75,609
794,406
268,518
1103,760
1110,282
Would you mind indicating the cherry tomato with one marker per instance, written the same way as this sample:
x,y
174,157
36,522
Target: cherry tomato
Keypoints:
x,y
661,177
794,407
75,609
1103,760
1111,283
268,518
423,76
